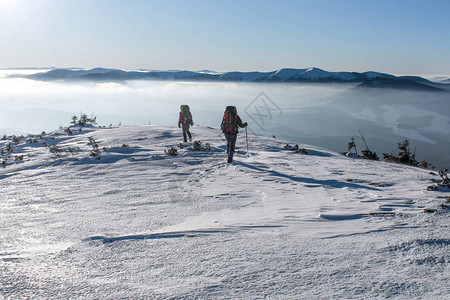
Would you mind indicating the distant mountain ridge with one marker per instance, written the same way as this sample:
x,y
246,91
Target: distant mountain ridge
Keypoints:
x,y
308,75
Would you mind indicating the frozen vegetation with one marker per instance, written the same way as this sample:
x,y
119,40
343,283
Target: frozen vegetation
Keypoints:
x,y
108,213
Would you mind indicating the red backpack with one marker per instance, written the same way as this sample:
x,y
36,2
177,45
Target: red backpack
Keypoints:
x,y
185,115
229,123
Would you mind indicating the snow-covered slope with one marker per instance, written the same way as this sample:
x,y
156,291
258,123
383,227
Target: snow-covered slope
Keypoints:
x,y
138,223
286,74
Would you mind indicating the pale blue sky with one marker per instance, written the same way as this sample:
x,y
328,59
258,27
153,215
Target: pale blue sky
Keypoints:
x,y
399,37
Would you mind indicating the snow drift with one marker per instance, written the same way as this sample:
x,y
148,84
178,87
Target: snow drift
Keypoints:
x,y
134,222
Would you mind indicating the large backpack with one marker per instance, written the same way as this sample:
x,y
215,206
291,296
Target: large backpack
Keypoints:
x,y
229,123
187,116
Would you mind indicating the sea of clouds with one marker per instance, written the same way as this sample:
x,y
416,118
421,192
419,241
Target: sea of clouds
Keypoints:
x,y
325,115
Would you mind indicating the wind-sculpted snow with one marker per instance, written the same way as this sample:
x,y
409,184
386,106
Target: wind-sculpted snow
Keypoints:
x,y
164,235
137,223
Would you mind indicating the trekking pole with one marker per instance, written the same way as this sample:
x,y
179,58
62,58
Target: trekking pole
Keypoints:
x,y
246,138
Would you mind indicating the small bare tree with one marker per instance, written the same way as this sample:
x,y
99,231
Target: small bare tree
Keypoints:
x,y
367,154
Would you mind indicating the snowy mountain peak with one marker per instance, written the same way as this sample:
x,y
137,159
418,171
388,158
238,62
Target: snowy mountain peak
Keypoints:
x,y
315,73
310,75
285,74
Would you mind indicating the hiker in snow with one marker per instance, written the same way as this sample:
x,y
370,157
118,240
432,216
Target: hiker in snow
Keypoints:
x,y
185,121
230,123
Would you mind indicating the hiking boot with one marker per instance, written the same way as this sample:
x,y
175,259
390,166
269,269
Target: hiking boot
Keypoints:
x,y
230,160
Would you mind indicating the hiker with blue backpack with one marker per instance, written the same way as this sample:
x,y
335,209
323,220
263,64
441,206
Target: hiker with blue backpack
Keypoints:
x,y
230,124
185,121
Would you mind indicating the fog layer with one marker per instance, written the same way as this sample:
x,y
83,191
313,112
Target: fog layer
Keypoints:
x,y
319,114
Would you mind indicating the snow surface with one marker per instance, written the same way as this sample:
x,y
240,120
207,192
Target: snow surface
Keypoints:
x,y
138,223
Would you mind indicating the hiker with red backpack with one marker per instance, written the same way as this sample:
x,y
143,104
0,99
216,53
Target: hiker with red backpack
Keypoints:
x,y
230,124
185,121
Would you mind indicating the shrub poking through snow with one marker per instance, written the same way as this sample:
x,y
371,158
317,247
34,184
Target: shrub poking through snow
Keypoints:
x,y
16,140
4,137
445,179
198,146
367,153
404,156
443,206
92,142
84,120
95,152
18,158
181,146
74,120
125,146
172,151
425,165
351,145
54,149
443,185
296,149
303,151
69,132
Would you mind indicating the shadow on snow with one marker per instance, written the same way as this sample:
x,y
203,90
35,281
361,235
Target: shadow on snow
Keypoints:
x,y
176,234
329,183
